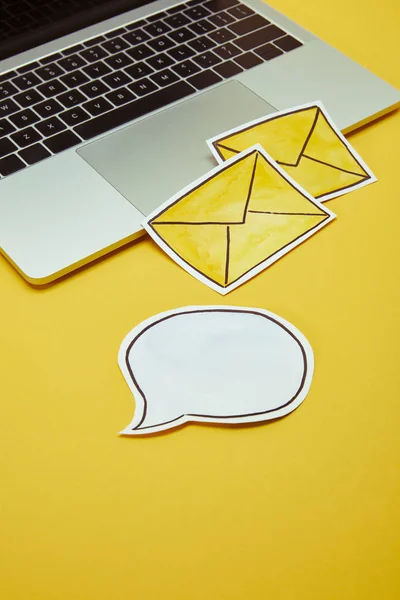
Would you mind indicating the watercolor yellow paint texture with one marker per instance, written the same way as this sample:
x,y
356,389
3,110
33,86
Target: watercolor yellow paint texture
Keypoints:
x,y
308,147
234,221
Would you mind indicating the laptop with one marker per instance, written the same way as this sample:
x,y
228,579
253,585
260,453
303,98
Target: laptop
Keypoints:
x,y
105,108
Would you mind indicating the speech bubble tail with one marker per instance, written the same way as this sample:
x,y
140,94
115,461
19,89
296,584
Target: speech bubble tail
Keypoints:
x,y
129,431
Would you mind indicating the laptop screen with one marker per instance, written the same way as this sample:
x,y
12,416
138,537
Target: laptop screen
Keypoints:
x,y
25,24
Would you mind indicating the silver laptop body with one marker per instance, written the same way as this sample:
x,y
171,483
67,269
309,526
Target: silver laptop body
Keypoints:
x,y
75,205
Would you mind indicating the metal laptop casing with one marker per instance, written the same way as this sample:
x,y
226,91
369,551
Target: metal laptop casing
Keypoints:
x,y
60,214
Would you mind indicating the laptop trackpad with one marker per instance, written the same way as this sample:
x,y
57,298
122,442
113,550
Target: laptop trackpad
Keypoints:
x,y
151,160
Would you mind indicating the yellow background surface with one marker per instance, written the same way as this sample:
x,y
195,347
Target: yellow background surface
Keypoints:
x,y
304,508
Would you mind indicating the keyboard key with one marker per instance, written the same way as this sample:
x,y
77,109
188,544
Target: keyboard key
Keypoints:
x,y
50,126
268,51
227,51
221,19
6,147
26,137
48,108
11,164
120,97
51,58
49,72
62,141
73,49
25,82
71,98
181,52
161,61
197,12
174,9
115,32
116,79
202,27
248,60
288,43
241,11
221,36
96,70
218,5
93,41
176,21
193,3
186,68
161,43
28,67
136,37
163,78
26,99
74,116
92,90
52,88
157,28
156,17
92,55
74,79
228,69
142,87
24,118
98,106
7,76
114,46
259,37
5,127
34,154
7,89
134,110
201,44
182,35
7,107
70,63
208,59
204,79
139,70
119,61
140,52
136,25
250,24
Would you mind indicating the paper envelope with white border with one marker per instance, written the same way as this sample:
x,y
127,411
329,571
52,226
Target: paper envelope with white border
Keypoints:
x,y
236,220
307,144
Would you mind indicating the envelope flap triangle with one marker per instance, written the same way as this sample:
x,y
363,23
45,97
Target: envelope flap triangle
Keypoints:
x,y
203,247
320,179
272,193
324,145
226,152
262,237
283,137
220,199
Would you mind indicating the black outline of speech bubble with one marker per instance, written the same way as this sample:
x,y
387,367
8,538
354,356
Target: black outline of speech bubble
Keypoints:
x,y
213,417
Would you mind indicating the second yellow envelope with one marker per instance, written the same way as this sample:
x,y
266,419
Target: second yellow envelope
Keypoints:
x,y
234,222
308,146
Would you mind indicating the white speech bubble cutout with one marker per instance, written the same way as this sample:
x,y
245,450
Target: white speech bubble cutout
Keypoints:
x,y
214,364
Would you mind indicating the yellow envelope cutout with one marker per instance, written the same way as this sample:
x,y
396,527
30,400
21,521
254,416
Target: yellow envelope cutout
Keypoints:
x,y
308,146
239,219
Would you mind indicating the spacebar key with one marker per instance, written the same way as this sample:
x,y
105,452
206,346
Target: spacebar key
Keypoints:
x,y
133,110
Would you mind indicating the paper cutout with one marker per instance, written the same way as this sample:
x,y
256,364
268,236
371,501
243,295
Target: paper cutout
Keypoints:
x,y
236,220
307,144
214,364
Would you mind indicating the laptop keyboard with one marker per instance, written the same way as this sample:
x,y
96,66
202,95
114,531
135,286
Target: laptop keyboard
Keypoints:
x,y
74,95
